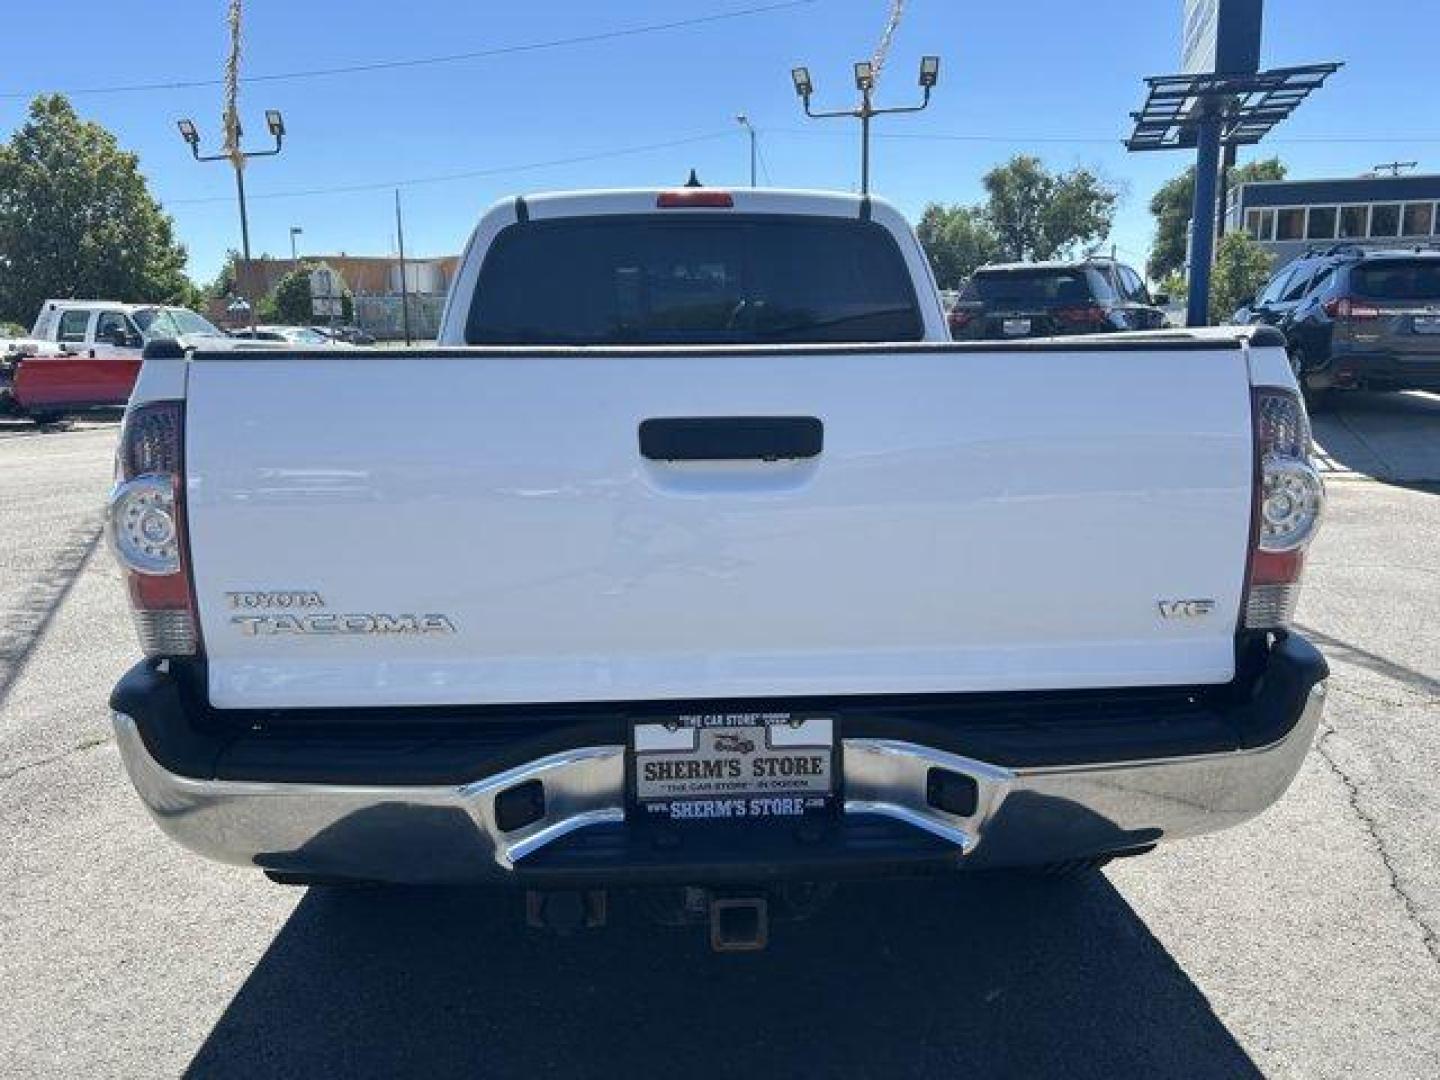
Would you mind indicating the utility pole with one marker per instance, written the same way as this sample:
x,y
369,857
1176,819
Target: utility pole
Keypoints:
x,y
404,285
866,110
744,121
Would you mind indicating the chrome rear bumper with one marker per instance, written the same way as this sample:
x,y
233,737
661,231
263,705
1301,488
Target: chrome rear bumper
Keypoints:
x,y
450,833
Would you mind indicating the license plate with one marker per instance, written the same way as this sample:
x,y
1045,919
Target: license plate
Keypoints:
x,y
717,766
1015,327
1427,324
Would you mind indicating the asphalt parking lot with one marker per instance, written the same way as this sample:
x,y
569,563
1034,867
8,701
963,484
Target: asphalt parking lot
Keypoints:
x,y
1303,944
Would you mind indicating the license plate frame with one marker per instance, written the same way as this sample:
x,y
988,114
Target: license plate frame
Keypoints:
x,y
809,741
1016,327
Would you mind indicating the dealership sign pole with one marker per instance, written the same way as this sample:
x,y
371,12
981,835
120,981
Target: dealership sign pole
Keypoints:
x,y
1219,101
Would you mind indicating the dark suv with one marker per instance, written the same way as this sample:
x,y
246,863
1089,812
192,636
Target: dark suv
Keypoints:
x,y
1019,300
1357,318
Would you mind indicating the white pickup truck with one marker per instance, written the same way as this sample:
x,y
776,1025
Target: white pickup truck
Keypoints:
x,y
696,554
84,355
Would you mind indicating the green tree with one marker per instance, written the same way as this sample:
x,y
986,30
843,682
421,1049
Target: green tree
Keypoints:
x,y
1241,269
1037,214
1175,286
76,218
224,284
290,301
957,239
1171,207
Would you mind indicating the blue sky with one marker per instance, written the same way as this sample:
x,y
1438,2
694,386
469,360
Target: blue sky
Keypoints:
x,y
1056,78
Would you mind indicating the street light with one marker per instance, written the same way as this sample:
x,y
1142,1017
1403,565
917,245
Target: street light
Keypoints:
x,y
744,121
865,111
295,230
237,157
929,71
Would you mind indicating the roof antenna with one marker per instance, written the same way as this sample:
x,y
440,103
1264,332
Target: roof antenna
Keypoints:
x,y
694,180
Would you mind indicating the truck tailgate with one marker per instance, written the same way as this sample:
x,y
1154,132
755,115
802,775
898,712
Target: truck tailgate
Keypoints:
x,y
480,526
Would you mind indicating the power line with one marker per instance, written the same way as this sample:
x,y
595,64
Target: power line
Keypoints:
x,y
448,58
471,174
1115,141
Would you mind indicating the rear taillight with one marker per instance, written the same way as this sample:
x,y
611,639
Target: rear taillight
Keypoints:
x,y
670,200
960,319
147,528
1343,307
1082,316
1289,500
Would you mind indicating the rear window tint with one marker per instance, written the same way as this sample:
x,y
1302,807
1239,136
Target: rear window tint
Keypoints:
x,y
1029,286
648,280
1397,279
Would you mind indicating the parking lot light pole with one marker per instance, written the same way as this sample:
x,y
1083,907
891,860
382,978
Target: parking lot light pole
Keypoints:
x,y
744,121
295,230
866,110
237,157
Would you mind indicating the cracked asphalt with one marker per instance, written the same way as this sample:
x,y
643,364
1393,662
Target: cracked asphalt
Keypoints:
x,y
1303,944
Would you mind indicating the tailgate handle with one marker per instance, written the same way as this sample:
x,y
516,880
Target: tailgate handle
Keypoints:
x,y
731,438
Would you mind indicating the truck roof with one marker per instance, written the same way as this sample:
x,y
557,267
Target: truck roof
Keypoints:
x,y
554,204
62,304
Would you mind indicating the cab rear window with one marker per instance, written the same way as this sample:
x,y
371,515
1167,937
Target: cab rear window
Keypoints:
x,y
648,280
1398,279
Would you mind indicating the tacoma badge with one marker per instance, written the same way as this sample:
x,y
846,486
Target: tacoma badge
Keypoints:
x,y
359,623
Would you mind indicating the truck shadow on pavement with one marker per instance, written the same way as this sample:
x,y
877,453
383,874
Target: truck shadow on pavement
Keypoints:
x,y
982,974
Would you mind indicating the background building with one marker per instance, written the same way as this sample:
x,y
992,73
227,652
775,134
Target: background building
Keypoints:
x,y
1288,216
373,282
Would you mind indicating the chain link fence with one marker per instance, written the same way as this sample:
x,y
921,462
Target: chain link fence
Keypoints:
x,y
382,316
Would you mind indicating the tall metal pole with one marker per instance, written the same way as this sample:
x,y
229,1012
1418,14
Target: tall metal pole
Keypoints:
x,y
244,227
404,287
1202,221
865,113
743,120
232,152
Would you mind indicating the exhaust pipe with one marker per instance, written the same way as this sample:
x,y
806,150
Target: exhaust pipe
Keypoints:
x,y
739,923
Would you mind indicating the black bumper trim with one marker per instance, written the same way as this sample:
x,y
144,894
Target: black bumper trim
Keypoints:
x,y
718,852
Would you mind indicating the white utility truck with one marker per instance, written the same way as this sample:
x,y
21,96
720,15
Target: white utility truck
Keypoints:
x,y
696,555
